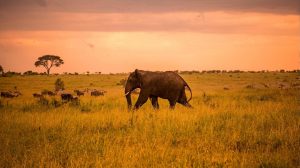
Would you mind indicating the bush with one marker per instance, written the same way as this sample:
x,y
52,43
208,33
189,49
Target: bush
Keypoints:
x,y
59,85
122,82
10,74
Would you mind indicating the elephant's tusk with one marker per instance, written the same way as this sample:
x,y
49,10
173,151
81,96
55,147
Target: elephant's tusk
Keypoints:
x,y
127,93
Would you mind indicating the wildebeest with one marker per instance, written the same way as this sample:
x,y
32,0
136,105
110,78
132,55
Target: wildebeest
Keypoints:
x,y
17,93
167,85
48,92
10,94
97,92
66,97
86,90
37,95
75,99
79,93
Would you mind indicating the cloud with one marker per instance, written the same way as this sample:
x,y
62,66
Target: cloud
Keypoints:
x,y
90,45
42,3
137,6
208,16
210,22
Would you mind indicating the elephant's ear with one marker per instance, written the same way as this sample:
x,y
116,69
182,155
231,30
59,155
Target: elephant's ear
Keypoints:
x,y
138,75
136,71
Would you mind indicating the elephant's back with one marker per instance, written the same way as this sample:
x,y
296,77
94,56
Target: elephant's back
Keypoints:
x,y
170,80
164,84
174,77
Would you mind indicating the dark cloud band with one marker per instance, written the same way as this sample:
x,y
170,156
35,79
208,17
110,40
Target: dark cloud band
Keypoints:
x,y
126,6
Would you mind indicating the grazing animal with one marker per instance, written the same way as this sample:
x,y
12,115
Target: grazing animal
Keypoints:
x,y
66,97
50,93
167,85
17,93
10,94
47,92
86,90
97,93
79,93
37,95
7,95
75,99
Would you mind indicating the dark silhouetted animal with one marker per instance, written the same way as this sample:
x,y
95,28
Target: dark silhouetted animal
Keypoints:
x,y
75,99
97,93
79,93
10,94
7,95
86,90
167,85
47,92
50,93
37,95
66,97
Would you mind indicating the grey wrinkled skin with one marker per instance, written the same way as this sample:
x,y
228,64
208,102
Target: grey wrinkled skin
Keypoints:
x,y
166,85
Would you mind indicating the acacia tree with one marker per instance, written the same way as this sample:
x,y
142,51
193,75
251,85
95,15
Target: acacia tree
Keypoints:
x,y
48,61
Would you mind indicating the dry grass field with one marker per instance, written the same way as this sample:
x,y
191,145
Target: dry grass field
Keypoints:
x,y
242,120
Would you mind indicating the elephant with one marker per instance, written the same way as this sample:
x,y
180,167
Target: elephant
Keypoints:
x,y
166,85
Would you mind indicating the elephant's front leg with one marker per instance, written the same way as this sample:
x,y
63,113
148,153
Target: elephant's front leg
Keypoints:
x,y
143,97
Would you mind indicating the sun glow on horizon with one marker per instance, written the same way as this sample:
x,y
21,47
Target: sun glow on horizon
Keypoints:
x,y
112,42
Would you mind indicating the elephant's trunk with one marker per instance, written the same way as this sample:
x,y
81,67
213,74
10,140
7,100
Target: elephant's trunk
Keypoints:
x,y
129,104
128,96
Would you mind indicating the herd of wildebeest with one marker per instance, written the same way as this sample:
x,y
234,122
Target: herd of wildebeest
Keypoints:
x,y
65,96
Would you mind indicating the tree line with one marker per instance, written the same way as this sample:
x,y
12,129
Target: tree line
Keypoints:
x,y
50,61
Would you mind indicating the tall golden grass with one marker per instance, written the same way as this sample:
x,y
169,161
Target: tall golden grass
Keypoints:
x,y
238,120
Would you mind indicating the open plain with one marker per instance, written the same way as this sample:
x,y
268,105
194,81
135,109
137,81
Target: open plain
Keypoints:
x,y
238,120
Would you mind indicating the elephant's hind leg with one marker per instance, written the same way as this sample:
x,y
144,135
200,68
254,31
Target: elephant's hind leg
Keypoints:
x,y
172,104
154,102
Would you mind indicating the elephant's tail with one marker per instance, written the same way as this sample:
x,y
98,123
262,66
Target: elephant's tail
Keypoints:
x,y
190,91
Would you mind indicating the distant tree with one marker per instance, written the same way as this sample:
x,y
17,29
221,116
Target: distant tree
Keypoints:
x,y
282,71
30,73
1,70
11,73
48,61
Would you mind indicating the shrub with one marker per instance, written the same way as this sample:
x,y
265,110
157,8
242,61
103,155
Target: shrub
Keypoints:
x,y
59,85
122,82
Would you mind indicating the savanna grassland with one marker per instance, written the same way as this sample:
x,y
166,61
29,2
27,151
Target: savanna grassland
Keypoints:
x,y
238,120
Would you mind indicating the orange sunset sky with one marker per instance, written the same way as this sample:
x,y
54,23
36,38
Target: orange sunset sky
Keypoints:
x,y
122,35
